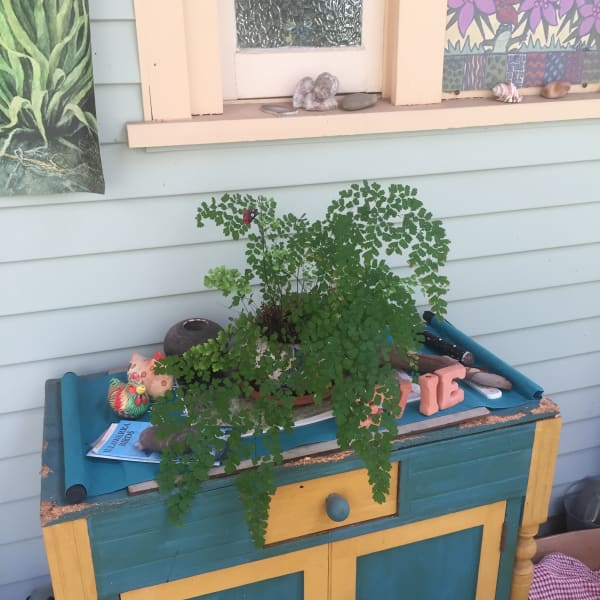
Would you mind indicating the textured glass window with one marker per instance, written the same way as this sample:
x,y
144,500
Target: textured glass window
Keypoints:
x,y
298,23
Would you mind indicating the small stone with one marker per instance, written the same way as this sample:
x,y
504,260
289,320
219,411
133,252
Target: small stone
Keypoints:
x,y
318,94
358,101
555,89
281,110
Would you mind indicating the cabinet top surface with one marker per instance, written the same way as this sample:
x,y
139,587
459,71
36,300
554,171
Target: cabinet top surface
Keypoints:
x,y
306,462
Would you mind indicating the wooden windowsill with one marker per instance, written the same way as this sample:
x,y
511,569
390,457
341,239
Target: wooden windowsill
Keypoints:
x,y
245,122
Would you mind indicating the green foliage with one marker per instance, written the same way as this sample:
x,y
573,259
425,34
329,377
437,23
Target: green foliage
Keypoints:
x,y
45,67
464,47
326,288
536,45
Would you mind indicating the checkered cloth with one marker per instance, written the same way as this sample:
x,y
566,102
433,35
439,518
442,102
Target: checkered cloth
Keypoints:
x,y
560,577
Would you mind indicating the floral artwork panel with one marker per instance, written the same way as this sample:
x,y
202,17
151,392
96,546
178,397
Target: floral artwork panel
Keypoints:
x,y
298,23
542,41
475,72
515,68
495,71
535,69
454,72
555,67
48,129
574,66
591,66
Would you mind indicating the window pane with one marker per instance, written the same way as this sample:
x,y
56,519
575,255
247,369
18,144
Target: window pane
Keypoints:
x,y
298,23
530,43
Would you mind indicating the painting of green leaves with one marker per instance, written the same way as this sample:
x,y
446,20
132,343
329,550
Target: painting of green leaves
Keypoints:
x,y
48,129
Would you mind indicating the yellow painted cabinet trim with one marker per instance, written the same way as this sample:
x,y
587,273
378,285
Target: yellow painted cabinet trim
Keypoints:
x,y
70,560
537,501
490,516
541,470
313,562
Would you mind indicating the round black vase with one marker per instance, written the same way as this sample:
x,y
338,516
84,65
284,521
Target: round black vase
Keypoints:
x,y
189,332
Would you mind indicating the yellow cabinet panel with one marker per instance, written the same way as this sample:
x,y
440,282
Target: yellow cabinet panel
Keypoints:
x,y
344,554
313,563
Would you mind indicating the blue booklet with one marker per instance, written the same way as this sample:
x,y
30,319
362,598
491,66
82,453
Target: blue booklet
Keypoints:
x,y
119,443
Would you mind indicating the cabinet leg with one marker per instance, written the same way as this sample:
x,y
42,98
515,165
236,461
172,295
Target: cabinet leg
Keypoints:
x,y
523,569
70,560
537,499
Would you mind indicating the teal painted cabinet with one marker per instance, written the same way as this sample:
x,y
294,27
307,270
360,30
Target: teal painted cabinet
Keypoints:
x,y
465,502
433,568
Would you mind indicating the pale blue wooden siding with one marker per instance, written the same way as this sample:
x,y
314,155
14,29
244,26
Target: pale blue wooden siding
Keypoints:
x,y
87,279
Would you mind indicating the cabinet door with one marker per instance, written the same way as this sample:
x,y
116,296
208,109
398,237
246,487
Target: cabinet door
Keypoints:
x,y
444,558
301,575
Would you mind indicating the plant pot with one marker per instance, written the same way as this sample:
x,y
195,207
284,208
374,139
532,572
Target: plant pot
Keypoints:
x,y
188,333
298,400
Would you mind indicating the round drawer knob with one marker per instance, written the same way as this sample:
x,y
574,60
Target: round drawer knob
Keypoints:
x,y
337,507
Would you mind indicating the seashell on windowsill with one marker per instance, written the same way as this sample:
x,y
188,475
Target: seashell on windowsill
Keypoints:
x,y
507,92
555,89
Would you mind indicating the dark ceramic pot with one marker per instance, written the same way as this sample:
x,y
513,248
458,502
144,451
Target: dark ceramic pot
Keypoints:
x,y
190,332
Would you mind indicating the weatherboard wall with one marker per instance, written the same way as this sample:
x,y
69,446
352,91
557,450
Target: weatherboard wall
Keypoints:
x,y
88,279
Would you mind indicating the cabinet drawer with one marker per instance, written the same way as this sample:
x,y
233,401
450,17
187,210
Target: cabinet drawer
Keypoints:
x,y
299,509
461,473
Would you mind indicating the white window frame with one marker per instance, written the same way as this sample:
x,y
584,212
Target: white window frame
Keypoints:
x,y
273,73
181,77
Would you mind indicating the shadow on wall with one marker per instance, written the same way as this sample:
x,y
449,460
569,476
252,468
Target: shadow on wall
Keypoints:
x,y
41,593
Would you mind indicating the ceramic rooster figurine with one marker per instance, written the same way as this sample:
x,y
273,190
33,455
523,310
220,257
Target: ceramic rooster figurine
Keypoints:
x,y
129,400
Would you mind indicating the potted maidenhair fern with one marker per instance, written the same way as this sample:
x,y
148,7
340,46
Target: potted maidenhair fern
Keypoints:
x,y
314,311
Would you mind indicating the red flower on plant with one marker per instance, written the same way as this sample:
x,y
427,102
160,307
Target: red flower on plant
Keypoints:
x,y
249,215
506,12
